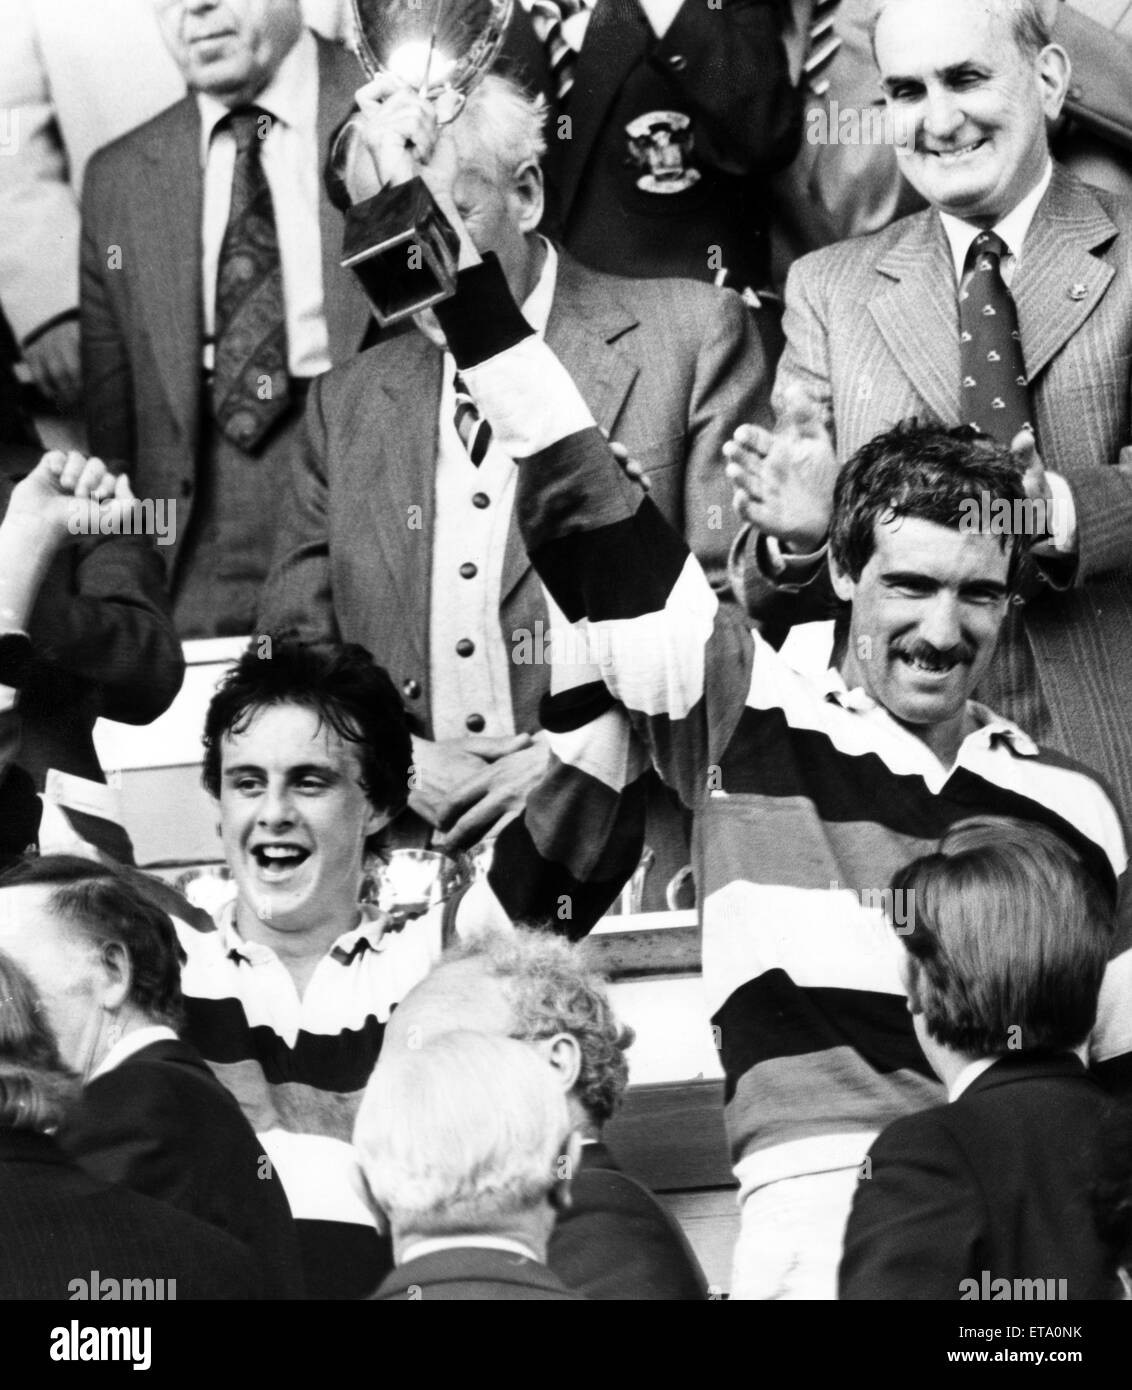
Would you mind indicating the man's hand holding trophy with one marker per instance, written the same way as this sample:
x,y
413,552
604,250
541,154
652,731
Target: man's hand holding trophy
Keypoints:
x,y
406,242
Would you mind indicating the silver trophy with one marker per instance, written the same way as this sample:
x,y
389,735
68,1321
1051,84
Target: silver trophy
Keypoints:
x,y
399,244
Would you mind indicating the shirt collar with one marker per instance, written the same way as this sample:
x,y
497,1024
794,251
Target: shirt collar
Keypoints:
x,y
970,1073
131,1043
291,97
369,932
437,1243
536,306
990,727
1012,229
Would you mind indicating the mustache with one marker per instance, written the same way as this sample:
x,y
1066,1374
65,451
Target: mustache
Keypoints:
x,y
962,653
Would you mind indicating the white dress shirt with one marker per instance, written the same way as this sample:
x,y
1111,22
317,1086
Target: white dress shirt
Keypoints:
x,y
292,166
473,520
970,1073
131,1043
1013,229
436,1243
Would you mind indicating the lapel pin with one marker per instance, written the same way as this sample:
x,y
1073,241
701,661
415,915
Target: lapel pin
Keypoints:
x,y
1078,291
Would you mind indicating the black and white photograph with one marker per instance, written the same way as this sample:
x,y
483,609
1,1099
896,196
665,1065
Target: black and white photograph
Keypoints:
x,y
566,667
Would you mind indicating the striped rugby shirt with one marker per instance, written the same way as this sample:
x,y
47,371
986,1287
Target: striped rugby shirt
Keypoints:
x,y
807,796
298,1068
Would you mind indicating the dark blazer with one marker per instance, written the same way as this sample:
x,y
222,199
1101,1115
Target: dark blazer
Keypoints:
x,y
872,335
58,1225
161,1124
999,1181
670,368
103,646
723,66
616,1241
470,1275
142,334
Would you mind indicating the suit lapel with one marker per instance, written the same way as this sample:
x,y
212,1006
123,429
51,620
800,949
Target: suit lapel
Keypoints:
x,y
916,309
1059,282
344,306
168,212
584,330
404,417
616,39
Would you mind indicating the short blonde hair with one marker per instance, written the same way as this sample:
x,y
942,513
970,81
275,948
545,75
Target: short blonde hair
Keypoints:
x,y
461,1133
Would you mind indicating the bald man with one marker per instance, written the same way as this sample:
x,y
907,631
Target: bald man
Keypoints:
x,y
614,1241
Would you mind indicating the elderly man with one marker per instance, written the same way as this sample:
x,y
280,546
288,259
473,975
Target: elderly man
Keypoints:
x,y
399,532
467,1151
614,1240
1009,305
809,794
212,292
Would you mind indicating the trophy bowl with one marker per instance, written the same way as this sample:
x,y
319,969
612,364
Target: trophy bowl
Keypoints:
x,y
399,244
407,883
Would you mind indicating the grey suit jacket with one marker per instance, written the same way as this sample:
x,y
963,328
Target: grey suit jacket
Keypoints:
x,y
669,367
141,323
872,333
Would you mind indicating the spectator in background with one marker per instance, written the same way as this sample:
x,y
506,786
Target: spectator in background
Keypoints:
x,y
196,372
73,77
151,1116
667,118
84,627
614,1240
467,1152
399,532
1002,970
1008,304
59,1227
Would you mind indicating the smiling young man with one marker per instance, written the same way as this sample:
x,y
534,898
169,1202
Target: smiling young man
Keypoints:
x,y
307,755
1008,303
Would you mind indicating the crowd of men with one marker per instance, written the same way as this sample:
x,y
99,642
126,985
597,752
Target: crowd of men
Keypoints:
x,y
540,570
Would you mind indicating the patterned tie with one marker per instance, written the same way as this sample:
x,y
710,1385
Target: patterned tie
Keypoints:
x,y
551,15
823,47
250,387
473,429
995,394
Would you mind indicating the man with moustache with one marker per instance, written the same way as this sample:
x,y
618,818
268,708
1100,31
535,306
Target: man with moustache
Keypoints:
x,y
1007,304
808,793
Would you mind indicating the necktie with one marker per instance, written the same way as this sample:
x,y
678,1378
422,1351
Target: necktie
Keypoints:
x,y
473,429
823,47
995,395
551,15
250,386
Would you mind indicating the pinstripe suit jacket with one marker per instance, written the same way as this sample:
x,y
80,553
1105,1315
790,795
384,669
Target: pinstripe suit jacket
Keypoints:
x,y
872,334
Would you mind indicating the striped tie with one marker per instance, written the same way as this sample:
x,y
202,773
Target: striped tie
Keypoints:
x,y
824,45
551,15
473,429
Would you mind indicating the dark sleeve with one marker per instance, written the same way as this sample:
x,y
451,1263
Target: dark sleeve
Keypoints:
x,y
103,615
915,1225
297,595
622,1250
108,384
729,62
125,1131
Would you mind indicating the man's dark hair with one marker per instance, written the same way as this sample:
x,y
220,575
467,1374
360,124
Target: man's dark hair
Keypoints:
x,y
103,907
341,683
936,474
1010,937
